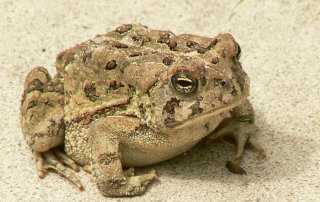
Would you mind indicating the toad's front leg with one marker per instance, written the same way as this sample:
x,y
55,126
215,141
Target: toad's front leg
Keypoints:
x,y
107,135
242,128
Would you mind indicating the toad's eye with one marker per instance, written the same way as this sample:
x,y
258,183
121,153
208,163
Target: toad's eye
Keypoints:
x,y
184,83
238,51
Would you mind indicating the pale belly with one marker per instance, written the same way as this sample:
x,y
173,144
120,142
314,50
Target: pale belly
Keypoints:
x,y
147,146
147,149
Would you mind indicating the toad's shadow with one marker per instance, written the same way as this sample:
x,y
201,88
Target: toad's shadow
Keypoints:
x,y
287,156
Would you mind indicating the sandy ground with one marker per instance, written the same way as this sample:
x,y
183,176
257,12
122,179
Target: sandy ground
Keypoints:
x,y
281,54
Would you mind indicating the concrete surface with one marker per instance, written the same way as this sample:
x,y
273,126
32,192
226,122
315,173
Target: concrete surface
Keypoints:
x,y
281,53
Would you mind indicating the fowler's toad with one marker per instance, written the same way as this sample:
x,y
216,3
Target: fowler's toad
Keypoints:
x,y
135,97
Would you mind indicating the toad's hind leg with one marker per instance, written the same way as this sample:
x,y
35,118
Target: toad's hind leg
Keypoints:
x,y
43,125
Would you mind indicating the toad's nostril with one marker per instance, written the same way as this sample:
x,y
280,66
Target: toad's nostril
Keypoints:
x,y
220,82
223,83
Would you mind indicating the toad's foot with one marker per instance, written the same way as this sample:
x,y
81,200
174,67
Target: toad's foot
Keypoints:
x,y
138,184
56,160
234,165
127,186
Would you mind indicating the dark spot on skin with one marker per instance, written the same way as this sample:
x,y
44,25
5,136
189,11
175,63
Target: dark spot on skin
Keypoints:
x,y
86,56
196,109
202,50
43,50
111,65
169,121
220,82
36,84
213,43
215,60
132,89
31,104
172,45
167,61
170,105
135,54
114,85
165,38
123,28
108,158
90,91
191,44
136,37
140,37
119,45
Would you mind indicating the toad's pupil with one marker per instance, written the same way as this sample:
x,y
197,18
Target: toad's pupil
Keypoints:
x,y
184,82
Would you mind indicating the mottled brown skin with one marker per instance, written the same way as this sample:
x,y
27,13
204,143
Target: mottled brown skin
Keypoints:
x,y
135,97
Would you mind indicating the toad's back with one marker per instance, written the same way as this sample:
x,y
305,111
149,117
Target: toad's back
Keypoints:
x,y
110,69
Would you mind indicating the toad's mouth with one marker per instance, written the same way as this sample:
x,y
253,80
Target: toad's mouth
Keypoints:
x,y
204,116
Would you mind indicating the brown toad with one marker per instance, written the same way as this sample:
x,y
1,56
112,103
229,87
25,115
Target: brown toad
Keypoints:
x,y
135,97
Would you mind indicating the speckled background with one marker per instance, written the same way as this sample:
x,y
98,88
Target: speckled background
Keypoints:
x,y
281,53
